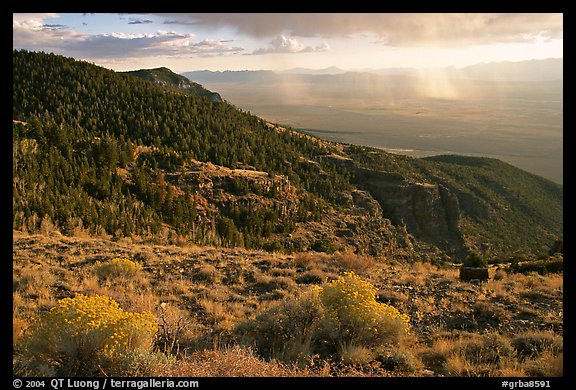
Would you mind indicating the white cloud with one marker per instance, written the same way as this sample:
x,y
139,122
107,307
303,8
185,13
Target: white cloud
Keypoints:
x,y
32,17
30,32
283,44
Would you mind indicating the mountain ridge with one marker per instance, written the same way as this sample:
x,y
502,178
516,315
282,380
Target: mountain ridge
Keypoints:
x,y
549,69
165,77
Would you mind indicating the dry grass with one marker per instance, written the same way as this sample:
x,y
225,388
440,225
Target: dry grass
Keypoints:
x,y
34,282
19,327
509,326
359,264
499,274
337,262
533,344
549,364
356,354
208,273
235,362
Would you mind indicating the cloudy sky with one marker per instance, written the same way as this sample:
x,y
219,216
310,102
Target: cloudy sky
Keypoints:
x,y
185,42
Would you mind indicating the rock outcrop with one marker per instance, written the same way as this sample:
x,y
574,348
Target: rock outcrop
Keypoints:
x,y
430,212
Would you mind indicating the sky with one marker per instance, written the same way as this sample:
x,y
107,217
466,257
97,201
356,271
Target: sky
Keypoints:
x,y
282,41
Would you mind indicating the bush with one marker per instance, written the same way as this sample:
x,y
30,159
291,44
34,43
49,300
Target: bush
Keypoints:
x,y
80,335
311,277
489,313
273,246
543,267
353,314
489,349
324,245
475,260
286,330
533,344
395,360
137,363
356,354
340,317
207,273
496,348
354,262
117,267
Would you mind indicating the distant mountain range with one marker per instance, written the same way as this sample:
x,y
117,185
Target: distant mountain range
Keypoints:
x,y
329,70
533,70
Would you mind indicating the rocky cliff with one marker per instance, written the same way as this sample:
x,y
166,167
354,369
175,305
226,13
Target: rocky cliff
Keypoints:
x,y
430,212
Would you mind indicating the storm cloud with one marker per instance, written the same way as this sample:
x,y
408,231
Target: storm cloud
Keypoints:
x,y
396,29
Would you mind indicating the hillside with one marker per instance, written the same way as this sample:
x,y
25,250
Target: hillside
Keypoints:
x,y
502,210
206,298
167,78
112,154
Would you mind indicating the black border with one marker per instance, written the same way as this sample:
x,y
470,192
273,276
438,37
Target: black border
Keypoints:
x,y
401,6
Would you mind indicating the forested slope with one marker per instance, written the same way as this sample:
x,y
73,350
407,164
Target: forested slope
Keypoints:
x,y
108,152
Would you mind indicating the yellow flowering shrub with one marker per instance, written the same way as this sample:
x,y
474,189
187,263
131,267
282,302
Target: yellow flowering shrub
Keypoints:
x,y
78,331
355,315
119,266
326,321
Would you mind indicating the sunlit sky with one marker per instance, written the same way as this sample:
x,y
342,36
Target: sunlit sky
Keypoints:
x,y
349,41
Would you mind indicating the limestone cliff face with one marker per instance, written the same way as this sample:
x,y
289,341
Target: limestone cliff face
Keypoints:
x,y
430,212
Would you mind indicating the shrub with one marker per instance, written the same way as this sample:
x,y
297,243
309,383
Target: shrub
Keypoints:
x,y
353,262
119,266
543,267
273,246
356,354
340,317
500,274
475,260
547,365
533,344
324,245
311,277
207,273
79,334
264,283
285,330
137,363
174,326
352,313
489,313
395,360
496,348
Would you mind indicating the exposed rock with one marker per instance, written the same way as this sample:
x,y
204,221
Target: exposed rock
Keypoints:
x,y
344,199
429,211
339,161
364,200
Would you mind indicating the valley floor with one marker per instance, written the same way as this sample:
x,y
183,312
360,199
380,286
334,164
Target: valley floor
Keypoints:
x,y
511,325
